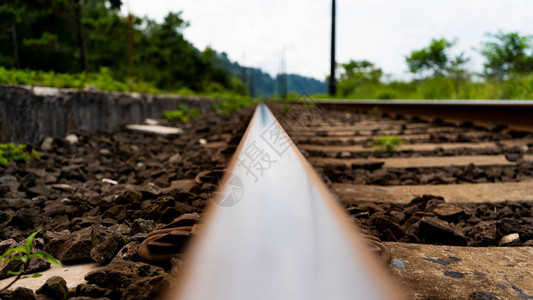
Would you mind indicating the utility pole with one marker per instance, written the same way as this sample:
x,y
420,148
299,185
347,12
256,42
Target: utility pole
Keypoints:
x,y
15,45
252,82
332,83
282,77
81,38
130,43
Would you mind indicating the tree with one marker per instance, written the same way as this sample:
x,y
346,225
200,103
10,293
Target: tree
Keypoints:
x,y
355,74
10,12
507,53
362,70
78,17
434,60
69,36
78,11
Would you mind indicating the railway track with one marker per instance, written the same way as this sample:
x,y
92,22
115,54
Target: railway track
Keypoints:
x,y
309,207
429,198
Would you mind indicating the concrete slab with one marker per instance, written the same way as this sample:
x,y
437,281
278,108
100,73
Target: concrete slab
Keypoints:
x,y
358,125
423,162
155,129
405,137
453,193
73,275
413,147
446,272
345,139
395,130
417,147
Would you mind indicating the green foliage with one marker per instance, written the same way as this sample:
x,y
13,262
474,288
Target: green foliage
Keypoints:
x,y
356,75
229,103
182,114
11,153
25,254
387,143
435,61
506,54
513,87
48,41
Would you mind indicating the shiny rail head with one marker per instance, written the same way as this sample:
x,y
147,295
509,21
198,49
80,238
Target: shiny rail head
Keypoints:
x,y
277,233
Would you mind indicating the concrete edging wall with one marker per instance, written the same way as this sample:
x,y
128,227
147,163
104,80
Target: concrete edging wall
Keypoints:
x,y
29,114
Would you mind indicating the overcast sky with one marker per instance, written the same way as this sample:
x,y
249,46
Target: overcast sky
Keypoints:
x,y
253,32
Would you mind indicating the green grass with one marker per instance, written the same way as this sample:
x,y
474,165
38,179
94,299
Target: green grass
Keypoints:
x,y
514,87
102,80
231,102
387,143
182,114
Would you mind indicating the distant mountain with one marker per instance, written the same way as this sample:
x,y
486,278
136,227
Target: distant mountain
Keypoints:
x,y
261,84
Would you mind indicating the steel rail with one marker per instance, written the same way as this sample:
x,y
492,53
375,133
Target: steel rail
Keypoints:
x,y
516,114
277,232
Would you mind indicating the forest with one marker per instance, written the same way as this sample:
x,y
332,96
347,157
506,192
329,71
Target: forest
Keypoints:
x,y
88,44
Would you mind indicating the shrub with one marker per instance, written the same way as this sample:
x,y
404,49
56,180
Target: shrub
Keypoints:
x,y
182,114
11,153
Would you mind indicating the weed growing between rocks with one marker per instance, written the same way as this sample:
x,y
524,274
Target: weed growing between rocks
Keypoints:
x,y
21,257
11,153
387,143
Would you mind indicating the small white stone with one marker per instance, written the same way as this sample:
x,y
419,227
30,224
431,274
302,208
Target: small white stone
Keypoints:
x,y
175,158
155,129
89,87
345,154
151,121
62,186
510,238
47,144
105,151
110,181
66,201
202,141
72,139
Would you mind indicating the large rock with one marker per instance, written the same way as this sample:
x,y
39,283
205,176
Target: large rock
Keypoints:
x,y
55,288
146,288
22,293
76,246
434,230
106,250
120,274
94,291
27,218
142,226
128,252
117,212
